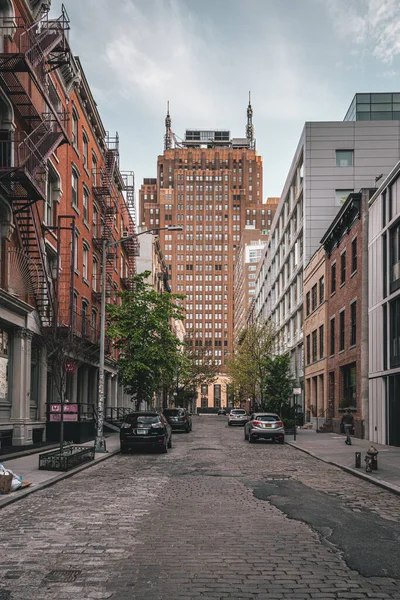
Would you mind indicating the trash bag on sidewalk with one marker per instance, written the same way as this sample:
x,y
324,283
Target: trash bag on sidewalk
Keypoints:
x,y
16,481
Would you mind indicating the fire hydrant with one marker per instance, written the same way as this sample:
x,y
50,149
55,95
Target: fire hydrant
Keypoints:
x,y
371,459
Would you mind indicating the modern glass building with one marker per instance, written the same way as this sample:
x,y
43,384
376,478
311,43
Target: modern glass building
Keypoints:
x,y
374,107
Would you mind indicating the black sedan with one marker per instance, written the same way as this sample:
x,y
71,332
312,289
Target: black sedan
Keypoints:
x,y
179,419
145,430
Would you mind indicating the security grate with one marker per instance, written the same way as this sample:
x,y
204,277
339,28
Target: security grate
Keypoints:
x,y
61,576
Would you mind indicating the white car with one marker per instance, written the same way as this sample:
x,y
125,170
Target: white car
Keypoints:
x,y
237,416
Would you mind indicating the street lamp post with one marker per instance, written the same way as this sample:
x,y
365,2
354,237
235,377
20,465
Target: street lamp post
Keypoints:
x,y
100,442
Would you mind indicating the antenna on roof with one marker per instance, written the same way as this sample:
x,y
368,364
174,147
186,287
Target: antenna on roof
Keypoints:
x,y
250,126
168,136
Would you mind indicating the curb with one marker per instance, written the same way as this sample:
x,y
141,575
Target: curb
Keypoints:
x,y
382,484
6,501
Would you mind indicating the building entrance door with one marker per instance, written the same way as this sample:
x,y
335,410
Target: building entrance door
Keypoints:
x,y
393,417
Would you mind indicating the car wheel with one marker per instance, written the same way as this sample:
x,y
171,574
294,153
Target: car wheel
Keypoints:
x,y
246,435
229,424
164,448
281,440
170,442
124,450
251,440
187,430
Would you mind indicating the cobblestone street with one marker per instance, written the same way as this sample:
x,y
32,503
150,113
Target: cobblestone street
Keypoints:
x,y
215,518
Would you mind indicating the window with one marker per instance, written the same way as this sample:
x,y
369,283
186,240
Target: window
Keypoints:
x,y
321,341
395,257
353,323
342,268
341,196
95,222
74,128
94,169
85,150
394,333
332,343
314,345
354,255
95,275
308,343
349,397
344,158
217,393
85,324
52,195
341,330
204,389
85,204
333,278
321,289
308,303
74,191
85,261
314,299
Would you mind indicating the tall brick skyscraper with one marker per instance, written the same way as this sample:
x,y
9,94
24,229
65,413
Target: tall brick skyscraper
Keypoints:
x,y
211,184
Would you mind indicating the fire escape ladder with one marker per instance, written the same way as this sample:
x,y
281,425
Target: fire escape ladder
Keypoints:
x,y
128,211
34,150
28,223
49,39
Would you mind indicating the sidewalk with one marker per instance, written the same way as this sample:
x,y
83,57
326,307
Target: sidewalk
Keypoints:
x,y
27,467
330,447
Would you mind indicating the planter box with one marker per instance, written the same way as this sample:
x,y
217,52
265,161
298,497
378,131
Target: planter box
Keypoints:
x,y
72,457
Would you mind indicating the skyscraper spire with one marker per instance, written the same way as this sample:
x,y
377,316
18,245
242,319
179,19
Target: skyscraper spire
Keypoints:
x,y
168,135
250,126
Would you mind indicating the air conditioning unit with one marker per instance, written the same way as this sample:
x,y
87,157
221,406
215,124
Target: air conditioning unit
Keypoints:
x,y
125,233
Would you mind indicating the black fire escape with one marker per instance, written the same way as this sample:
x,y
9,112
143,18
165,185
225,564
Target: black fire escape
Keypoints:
x,y
25,78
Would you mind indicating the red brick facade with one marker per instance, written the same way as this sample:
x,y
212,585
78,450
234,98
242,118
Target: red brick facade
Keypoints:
x,y
343,243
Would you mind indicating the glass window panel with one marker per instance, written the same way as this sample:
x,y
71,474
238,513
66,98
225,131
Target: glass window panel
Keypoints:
x,y
363,98
381,116
363,108
344,158
396,116
381,97
361,116
396,97
382,107
341,196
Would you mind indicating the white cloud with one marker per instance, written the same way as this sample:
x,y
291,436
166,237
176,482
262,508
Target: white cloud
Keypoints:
x,y
374,24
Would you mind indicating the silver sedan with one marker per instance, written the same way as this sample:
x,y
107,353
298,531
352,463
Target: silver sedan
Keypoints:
x,y
264,426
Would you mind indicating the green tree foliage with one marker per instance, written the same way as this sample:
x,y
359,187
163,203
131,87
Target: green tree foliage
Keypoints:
x,y
278,385
149,350
247,367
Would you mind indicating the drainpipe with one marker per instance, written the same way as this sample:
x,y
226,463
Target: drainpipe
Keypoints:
x,y
364,340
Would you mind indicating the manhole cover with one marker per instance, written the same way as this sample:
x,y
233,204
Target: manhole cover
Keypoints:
x,y
61,576
5,595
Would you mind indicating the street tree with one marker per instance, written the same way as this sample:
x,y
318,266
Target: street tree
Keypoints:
x,y
247,366
149,350
278,385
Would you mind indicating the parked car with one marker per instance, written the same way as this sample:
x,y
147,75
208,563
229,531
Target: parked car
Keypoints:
x,y
178,418
237,416
221,411
264,426
148,429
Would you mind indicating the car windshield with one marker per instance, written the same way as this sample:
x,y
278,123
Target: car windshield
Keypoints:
x,y
147,419
173,412
238,411
267,418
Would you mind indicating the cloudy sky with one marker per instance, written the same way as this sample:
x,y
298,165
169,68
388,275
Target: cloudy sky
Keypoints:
x,y
302,60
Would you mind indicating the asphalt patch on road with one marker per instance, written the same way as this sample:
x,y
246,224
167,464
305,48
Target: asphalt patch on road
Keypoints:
x,y
368,543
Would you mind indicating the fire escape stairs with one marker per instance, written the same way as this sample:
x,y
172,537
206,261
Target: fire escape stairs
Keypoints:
x,y
27,220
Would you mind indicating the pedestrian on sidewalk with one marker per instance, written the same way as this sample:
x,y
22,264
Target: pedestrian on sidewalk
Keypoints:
x,y
348,425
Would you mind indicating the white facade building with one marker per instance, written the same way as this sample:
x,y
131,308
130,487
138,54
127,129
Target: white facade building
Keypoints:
x,y
332,159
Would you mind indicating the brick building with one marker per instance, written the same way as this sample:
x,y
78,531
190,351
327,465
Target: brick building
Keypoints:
x,y
61,195
211,184
343,242
314,330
